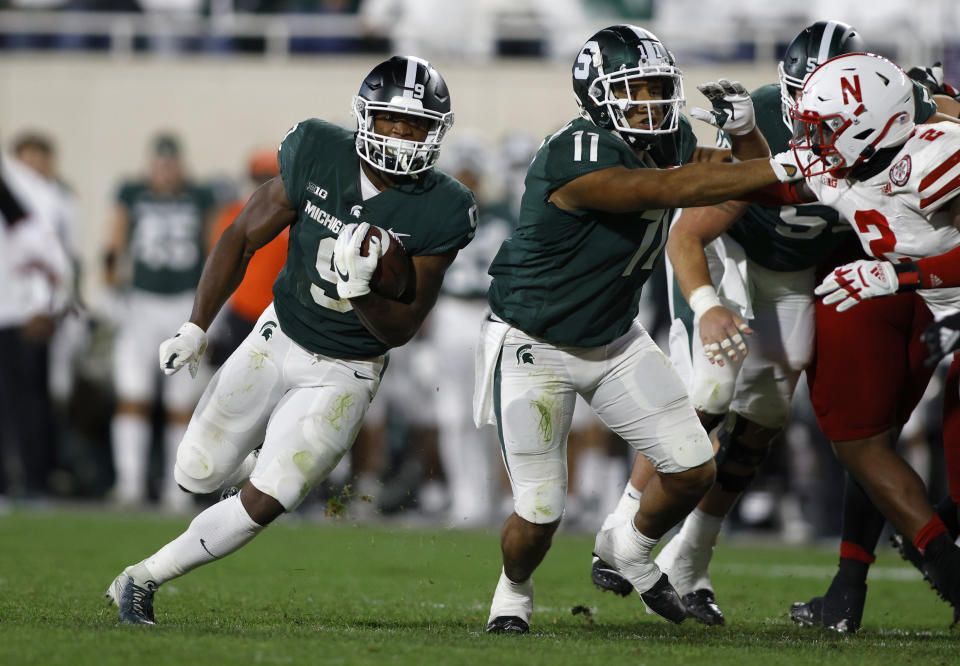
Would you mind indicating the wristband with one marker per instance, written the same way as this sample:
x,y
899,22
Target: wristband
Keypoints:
x,y
909,277
702,299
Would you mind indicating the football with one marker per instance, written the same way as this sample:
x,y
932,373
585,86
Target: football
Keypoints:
x,y
395,269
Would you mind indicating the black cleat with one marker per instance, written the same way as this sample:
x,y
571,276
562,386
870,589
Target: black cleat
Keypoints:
x,y
840,609
936,579
663,600
606,578
941,567
508,624
702,606
134,602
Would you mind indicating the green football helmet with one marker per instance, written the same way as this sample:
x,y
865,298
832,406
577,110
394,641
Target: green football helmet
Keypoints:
x,y
604,81
815,44
407,86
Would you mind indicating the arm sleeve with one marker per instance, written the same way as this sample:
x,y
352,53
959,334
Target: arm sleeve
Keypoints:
x,y
781,194
942,270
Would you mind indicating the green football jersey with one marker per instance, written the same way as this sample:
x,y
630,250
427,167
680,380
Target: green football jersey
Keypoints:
x,y
574,277
321,174
167,236
791,238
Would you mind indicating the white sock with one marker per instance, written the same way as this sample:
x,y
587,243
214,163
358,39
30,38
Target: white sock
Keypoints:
x,y
512,599
131,453
626,508
700,530
215,533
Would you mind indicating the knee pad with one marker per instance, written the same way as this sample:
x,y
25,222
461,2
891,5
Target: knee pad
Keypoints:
x,y
541,504
195,470
745,444
712,395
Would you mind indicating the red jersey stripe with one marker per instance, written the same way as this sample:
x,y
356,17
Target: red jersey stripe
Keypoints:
x,y
940,170
942,192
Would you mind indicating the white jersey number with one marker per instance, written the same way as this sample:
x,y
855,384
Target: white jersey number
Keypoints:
x,y
329,277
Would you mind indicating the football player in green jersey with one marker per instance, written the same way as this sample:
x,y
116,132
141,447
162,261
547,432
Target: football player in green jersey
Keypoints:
x,y
599,197
160,228
745,268
301,382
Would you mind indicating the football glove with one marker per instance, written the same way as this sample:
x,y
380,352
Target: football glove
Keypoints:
x,y
186,347
354,270
851,283
785,165
942,338
732,107
931,78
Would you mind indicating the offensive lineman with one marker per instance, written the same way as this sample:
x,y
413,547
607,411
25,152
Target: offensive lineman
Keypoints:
x,y
564,295
302,380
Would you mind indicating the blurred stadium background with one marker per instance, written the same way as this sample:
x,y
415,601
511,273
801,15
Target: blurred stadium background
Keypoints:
x,y
101,78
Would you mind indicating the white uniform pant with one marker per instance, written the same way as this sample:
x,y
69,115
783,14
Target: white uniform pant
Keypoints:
x,y
778,306
305,408
630,385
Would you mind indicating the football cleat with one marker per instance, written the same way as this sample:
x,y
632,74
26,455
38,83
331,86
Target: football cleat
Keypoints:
x,y
508,624
942,569
606,578
613,546
840,609
702,606
134,601
663,600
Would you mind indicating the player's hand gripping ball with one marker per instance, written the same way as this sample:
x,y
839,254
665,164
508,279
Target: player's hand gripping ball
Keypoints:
x,y
368,258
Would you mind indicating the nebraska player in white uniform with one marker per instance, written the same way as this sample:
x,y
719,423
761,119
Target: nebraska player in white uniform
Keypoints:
x,y
897,183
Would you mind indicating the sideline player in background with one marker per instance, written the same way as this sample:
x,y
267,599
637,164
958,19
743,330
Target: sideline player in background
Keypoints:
x,y
744,268
301,382
255,292
599,198
898,183
155,255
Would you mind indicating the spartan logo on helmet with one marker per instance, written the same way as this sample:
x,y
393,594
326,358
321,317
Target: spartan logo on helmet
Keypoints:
x,y
815,45
607,76
524,355
409,86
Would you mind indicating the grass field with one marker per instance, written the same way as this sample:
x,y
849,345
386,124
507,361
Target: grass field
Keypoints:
x,y
347,594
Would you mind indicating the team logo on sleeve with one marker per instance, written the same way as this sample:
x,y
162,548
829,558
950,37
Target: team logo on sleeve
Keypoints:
x,y
900,172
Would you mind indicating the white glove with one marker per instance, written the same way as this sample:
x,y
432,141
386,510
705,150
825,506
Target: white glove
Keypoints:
x,y
187,346
851,283
353,270
785,165
732,107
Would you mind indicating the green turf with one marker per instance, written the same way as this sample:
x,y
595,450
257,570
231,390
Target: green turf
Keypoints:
x,y
347,594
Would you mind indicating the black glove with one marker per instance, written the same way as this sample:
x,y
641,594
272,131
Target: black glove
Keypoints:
x,y
942,338
932,79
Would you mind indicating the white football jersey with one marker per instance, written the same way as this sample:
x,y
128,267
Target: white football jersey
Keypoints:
x,y
904,212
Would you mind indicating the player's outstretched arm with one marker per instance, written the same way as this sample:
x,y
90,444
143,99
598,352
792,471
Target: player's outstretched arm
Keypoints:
x,y
622,190
720,329
394,323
